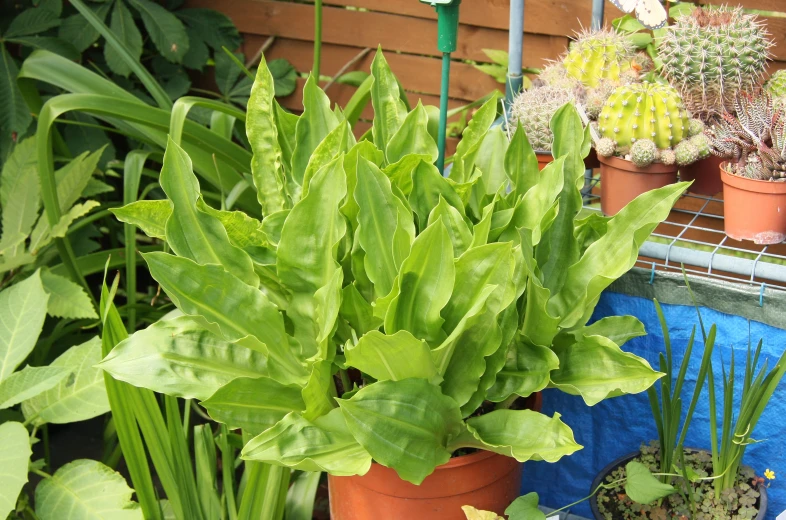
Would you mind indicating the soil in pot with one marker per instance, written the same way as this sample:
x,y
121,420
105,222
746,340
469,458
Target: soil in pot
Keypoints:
x,y
754,210
705,175
748,499
622,181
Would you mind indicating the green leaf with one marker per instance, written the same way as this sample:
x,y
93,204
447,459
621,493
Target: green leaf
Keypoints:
x,y
76,30
404,425
14,457
167,32
263,134
357,310
596,368
124,27
525,508
619,329
78,397
389,109
284,77
427,191
490,160
316,122
85,489
14,114
322,445
527,370
49,43
336,142
67,299
253,404
192,232
521,434
301,496
178,357
214,27
396,357
521,163
31,21
476,514
206,471
43,234
22,314
641,485
29,382
499,57
471,139
412,138
148,215
458,230
227,71
19,196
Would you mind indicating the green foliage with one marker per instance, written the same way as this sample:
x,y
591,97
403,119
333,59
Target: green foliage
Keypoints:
x,y
533,109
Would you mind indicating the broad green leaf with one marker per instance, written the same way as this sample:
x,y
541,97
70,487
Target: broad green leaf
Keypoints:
x,y
490,160
642,487
253,404
362,149
319,391
286,124
76,30
412,138
476,514
167,32
301,496
527,370
404,425
178,357
471,139
31,21
19,195
14,458
521,434
533,211
458,230
29,382
81,395
191,232
148,215
85,489
67,299
22,314
14,114
619,329
43,234
335,143
521,163
357,311
322,445
123,25
428,189
206,470
596,368
525,508
425,283
396,357
234,310
316,122
265,139
385,226
389,109
401,172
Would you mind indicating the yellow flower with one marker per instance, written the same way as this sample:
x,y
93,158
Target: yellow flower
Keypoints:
x,y
769,474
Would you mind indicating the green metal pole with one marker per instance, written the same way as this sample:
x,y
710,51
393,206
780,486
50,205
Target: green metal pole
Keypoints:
x,y
443,111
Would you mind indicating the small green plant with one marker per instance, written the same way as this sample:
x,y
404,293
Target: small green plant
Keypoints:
x,y
599,54
532,111
776,86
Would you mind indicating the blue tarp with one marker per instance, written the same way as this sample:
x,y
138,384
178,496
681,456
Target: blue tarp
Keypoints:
x,y
618,426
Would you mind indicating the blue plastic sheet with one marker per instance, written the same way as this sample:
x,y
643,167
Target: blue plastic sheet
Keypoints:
x,y
620,425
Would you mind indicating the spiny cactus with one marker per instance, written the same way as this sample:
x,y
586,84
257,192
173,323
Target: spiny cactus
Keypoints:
x,y
556,75
702,144
668,157
605,147
776,85
695,127
533,109
599,54
643,153
644,111
712,54
686,153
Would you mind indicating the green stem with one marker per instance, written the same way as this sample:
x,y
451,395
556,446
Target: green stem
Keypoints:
x,y
227,470
443,111
41,473
507,403
317,39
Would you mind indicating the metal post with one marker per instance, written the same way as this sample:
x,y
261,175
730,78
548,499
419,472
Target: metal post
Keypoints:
x,y
515,50
597,14
443,111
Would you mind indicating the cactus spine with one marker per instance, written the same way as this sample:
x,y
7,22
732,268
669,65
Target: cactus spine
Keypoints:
x,y
533,109
597,55
644,111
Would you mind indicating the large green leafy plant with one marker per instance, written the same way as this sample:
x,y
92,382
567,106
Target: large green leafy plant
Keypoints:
x,y
379,310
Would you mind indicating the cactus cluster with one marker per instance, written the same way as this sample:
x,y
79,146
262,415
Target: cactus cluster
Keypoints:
x,y
533,110
597,55
776,86
712,54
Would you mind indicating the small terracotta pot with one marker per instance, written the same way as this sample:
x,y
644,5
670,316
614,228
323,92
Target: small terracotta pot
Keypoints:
x,y
753,209
622,181
543,159
705,175
591,161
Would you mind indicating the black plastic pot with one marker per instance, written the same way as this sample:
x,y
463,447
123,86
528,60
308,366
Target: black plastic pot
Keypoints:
x,y
622,461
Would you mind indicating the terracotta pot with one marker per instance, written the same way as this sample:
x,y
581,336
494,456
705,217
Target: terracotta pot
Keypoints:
x,y
705,175
621,181
622,461
753,209
591,161
543,159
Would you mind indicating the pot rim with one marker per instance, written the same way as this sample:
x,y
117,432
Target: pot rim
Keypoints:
x,y
752,185
628,166
630,456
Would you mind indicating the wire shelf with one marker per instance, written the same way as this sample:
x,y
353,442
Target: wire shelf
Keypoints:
x,y
693,236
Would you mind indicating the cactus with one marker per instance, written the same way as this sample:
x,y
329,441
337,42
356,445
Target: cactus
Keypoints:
x,y
605,147
600,54
712,54
668,157
695,127
702,145
686,153
776,85
643,153
556,75
533,109
644,111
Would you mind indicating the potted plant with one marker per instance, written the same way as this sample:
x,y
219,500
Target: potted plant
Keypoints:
x,y
402,315
710,55
776,86
753,144
644,135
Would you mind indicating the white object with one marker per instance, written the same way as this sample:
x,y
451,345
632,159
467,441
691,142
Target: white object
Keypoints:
x,y
650,13
781,516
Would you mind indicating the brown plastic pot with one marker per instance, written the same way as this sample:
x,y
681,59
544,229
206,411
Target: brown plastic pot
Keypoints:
x,y
753,209
591,161
543,159
705,175
622,181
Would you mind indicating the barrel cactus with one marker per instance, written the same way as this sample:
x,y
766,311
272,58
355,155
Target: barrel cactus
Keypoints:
x,y
776,86
643,153
712,54
533,109
597,55
644,111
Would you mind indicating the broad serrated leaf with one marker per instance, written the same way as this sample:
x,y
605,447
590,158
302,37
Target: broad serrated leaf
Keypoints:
x,y
14,459
148,215
67,299
85,489
78,31
22,314
19,196
284,77
49,43
43,234
28,383
14,114
125,29
167,32
214,28
31,21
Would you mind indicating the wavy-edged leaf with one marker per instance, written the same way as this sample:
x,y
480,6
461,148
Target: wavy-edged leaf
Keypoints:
x,y
428,189
322,445
316,122
148,215
412,138
521,163
14,458
253,404
81,395
29,382
167,32
123,25
458,230
396,357
22,314
85,489
67,299
527,370
389,109
404,425
490,159
619,329
471,139
178,357
19,196
338,141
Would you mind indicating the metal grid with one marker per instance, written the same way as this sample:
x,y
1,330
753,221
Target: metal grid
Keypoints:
x,y
692,236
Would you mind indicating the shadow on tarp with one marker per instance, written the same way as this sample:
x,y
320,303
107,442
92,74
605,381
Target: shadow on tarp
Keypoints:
x,y
618,426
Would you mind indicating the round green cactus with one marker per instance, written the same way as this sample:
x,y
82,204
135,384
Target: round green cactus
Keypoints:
x,y
776,85
533,110
712,54
695,127
597,55
686,153
668,157
644,111
643,153
606,147
702,145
